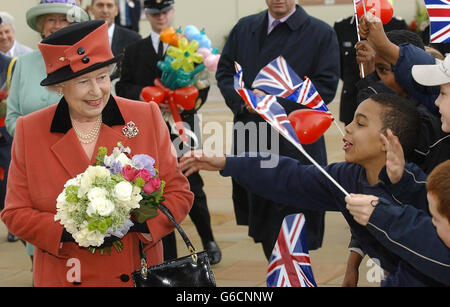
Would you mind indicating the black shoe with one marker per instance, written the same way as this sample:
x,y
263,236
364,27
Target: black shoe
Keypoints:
x,y
12,238
214,253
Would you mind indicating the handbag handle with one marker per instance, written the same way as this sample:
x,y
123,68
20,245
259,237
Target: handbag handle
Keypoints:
x,y
180,230
186,240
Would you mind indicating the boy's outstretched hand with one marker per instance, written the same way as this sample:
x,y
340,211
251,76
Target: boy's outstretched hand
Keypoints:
x,y
196,160
395,159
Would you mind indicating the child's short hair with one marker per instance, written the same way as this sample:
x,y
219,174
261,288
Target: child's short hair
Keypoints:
x,y
401,116
400,37
438,184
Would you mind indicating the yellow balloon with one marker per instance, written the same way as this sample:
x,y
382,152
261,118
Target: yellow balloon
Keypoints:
x,y
185,55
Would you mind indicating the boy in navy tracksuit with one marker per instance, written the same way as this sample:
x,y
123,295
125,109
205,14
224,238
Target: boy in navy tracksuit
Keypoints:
x,y
419,242
304,186
393,66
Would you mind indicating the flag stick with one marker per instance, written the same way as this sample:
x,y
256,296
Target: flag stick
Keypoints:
x,y
357,31
242,91
302,150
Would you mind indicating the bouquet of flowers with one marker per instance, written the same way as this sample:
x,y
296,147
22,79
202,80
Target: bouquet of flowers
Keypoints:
x,y
102,201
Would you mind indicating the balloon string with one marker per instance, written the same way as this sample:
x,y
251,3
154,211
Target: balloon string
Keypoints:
x,y
357,31
339,128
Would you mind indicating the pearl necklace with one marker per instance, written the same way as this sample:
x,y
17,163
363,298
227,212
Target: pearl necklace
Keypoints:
x,y
92,135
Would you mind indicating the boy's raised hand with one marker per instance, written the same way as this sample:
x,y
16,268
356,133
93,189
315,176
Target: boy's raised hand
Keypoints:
x,y
395,159
371,28
196,160
365,55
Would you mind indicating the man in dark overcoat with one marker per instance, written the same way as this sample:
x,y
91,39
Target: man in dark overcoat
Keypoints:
x,y
310,47
138,70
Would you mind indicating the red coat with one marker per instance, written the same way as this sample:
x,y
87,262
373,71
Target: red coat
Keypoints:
x,y
42,162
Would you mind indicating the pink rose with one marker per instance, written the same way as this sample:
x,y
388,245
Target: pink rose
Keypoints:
x,y
152,185
129,173
144,174
156,182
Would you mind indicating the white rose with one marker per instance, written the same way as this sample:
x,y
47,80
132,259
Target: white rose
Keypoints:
x,y
124,160
123,191
102,206
73,181
61,197
96,193
86,238
97,171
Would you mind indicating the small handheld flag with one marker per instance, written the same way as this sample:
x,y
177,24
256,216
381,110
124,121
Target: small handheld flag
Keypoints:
x,y
439,13
268,107
290,264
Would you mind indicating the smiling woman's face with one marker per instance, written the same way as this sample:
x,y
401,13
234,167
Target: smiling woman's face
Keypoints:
x,y
52,23
88,94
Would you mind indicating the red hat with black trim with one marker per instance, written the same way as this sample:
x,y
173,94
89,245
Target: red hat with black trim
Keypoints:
x,y
76,50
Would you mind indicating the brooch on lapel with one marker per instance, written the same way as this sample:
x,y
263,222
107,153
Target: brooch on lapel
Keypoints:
x,y
130,130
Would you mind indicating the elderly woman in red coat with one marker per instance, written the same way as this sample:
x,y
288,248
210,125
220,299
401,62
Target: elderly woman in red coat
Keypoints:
x,y
59,142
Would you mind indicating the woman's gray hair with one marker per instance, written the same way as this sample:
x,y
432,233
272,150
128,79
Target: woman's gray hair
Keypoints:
x,y
7,19
56,88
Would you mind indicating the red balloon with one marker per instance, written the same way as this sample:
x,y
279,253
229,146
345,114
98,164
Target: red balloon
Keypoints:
x,y
381,8
310,125
185,97
153,93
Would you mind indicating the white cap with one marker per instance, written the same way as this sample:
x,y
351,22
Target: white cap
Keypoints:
x,y
432,75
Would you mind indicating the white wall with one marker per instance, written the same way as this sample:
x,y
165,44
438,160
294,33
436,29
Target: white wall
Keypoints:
x,y
216,16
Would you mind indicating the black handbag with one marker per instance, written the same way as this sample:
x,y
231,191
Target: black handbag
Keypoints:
x,y
189,271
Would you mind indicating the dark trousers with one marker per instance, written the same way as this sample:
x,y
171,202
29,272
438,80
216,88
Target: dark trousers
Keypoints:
x,y
199,215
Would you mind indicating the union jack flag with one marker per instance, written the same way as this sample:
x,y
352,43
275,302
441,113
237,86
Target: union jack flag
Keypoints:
x,y
439,13
290,265
307,95
268,108
279,79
